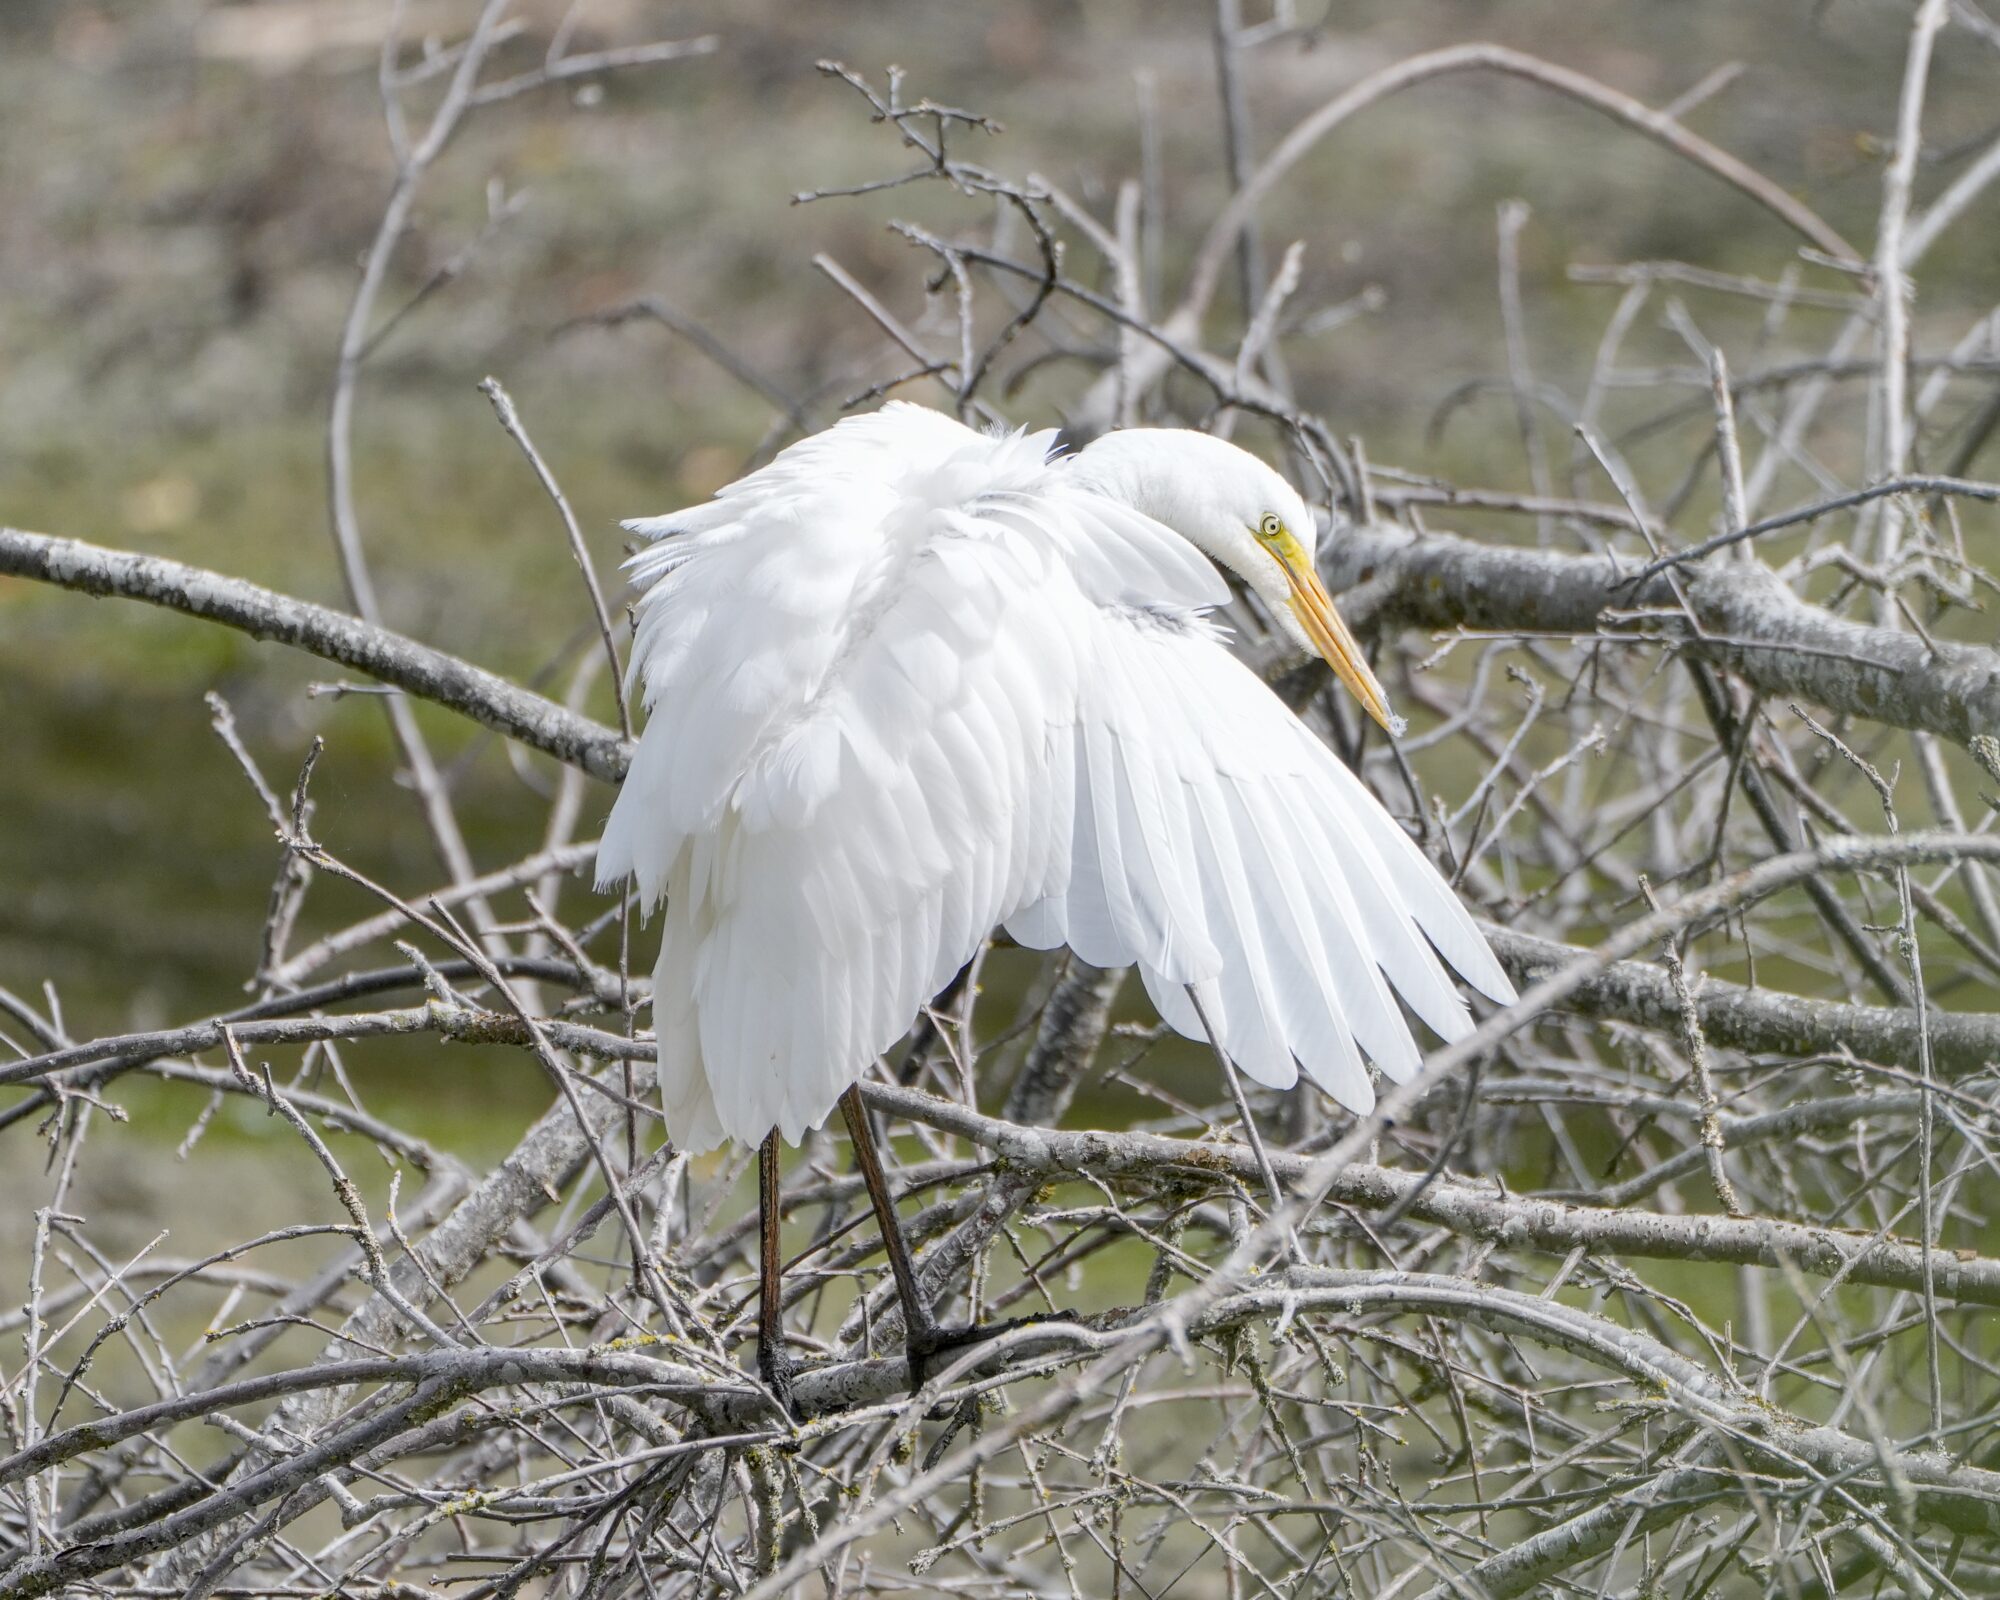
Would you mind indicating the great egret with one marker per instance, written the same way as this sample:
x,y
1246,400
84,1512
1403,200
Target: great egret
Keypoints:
x,y
911,681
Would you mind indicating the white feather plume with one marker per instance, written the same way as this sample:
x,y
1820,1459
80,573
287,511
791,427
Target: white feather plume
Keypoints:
x,y
910,682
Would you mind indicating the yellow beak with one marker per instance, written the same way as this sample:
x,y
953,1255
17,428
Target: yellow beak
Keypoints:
x,y
1313,606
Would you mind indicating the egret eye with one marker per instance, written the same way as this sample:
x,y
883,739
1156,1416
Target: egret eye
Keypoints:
x,y
1271,526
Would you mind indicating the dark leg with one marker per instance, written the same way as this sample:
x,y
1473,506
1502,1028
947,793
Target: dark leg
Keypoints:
x,y
924,1337
774,1361
920,1328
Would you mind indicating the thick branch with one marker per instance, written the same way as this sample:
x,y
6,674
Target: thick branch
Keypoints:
x,y
451,1021
1552,1226
1757,1021
333,635
467,1371
1750,624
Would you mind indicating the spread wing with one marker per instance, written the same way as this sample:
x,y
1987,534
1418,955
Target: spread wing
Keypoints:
x,y
908,683
1217,844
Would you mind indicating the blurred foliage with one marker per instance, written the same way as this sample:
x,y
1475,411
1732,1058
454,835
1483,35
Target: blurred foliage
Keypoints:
x,y
190,183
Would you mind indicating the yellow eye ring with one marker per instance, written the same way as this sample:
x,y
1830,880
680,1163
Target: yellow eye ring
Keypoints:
x,y
1271,527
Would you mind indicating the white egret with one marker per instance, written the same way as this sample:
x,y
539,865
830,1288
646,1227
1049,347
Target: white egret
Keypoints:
x,y
911,681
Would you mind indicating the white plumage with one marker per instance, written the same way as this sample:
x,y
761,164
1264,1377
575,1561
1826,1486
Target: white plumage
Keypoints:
x,y
909,682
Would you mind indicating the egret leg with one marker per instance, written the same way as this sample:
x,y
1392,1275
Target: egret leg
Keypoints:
x,y
920,1327
924,1337
774,1361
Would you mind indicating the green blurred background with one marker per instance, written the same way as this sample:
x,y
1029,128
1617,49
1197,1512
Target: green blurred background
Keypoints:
x,y
186,186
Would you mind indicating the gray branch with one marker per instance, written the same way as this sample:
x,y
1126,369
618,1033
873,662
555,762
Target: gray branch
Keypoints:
x,y
332,635
1551,1226
1757,1021
1749,623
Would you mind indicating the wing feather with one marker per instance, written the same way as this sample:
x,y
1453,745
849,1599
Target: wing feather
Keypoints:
x,y
908,682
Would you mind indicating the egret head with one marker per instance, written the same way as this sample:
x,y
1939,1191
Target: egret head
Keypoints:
x,y
1244,516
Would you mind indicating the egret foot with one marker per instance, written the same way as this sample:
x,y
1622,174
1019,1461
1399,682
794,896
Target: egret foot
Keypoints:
x,y
777,1367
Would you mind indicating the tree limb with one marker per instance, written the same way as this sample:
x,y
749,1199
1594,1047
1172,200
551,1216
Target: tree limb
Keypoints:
x,y
1553,1226
332,635
1757,1021
1750,623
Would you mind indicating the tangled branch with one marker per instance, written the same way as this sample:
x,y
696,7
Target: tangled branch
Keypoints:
x,y
1671,1278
